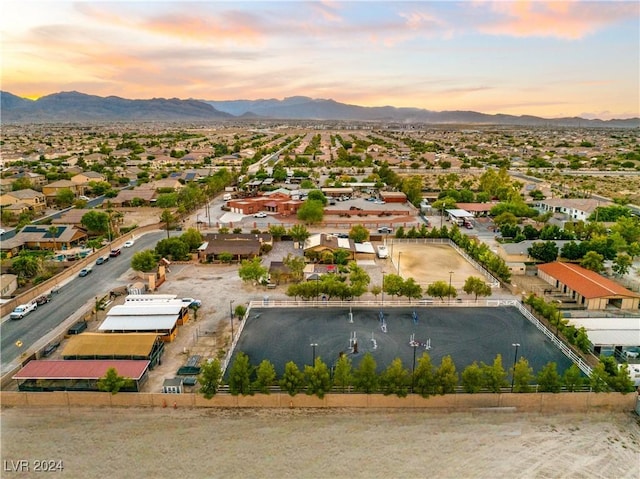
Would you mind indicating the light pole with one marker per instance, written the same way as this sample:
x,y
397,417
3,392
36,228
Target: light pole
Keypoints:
x,y
313,346
231,318
383,288
515,358
413,369
399,253
449,291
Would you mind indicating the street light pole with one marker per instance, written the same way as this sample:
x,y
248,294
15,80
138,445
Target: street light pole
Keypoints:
x,y
515,358
383,288
399,253
231,318
449,291
313,345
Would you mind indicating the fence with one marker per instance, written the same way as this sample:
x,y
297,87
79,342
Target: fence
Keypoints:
x,y
493,281
520,402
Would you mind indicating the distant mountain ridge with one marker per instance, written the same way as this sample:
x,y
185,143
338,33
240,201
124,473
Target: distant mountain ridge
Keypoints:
x,y
74,106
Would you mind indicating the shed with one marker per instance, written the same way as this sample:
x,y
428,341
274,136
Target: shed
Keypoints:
x,y
81,375
172,386
140,346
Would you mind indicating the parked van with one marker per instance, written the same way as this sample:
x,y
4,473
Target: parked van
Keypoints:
x,y
227,197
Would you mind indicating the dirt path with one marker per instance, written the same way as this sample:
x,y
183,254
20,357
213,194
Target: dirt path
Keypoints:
x,y
196,443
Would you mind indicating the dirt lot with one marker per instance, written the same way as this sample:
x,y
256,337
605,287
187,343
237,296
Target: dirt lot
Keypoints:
x,y
195,443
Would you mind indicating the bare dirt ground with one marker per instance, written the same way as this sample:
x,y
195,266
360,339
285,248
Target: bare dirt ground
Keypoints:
x,y
431,262
197,443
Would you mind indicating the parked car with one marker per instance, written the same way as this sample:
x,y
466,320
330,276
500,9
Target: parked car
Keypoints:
x,y
383,252
102,260
260,215
385,230
2,231
22,310
84,272
49,350
129,244
84,198
115,252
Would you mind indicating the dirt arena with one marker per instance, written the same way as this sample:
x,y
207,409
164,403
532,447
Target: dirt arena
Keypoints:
x,y
296,443
430,262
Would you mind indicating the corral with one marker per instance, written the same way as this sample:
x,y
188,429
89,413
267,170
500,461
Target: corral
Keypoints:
x,y
467,334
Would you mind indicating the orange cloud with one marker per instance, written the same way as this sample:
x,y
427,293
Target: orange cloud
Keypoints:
x,y
569,19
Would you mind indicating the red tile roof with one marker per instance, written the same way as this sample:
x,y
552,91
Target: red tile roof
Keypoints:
x,y
81,369
585,282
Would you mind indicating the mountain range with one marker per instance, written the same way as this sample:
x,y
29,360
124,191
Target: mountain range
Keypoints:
x,y
75,106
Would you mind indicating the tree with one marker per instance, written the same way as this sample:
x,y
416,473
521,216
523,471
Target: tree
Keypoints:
x,y
593,261
545,251
293,380
277,231
265,377
173,248
23,183
598,381
209,378
392,284
112,382
168,219
359,234
476,286
572,378
440,289
424,381
64,197
522,376
53,232
494,376
296,266
251,270
548,378
343,373
317,195
239,375
311,211
365,377
193,238
622,264
317,378
96,222
446,377
472,378
144,261
395,379
410,289
26,265
299,233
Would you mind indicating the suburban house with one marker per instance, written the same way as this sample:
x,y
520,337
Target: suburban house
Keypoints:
x,y
239,246
515,255
23,200
127,197
318,243
52,189
587,288
39,237
573,209
86,176
36,179
477,209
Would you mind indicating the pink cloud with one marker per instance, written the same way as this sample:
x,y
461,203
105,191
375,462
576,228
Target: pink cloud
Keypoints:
x,y
569,19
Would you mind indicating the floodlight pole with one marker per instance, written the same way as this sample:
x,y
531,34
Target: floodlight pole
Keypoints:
x,y
313,346
413,369
515,358
383,288
399,253
449,291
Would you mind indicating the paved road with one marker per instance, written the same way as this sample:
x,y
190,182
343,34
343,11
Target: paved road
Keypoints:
x,y
72,297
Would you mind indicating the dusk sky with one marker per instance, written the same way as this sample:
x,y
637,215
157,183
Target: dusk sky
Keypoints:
x,y
550,59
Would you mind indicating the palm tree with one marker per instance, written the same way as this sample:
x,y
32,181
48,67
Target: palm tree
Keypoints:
x,y
53,231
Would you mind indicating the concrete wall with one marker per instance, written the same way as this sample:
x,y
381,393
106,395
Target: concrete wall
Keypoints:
x,y
534,402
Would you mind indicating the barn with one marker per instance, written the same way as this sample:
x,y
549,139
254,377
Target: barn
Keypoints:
x,y
587,288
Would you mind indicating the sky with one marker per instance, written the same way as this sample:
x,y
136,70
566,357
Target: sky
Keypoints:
x,y
549,59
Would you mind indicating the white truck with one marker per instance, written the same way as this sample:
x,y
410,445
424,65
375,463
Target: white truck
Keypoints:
x,y
22,310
